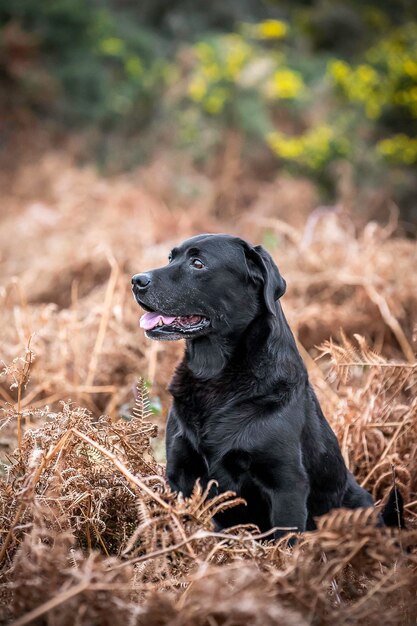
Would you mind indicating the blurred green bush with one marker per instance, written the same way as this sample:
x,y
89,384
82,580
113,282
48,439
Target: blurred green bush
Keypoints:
x,y
314,82
81,64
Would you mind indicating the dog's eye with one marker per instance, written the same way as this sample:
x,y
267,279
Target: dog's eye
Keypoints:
x,y
197,264
169,258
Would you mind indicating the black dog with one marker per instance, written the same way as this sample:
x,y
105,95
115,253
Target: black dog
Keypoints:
x,y
244,412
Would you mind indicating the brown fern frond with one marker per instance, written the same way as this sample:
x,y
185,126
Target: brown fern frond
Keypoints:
x,y
346,356
340,521
203,508
383,480
142,409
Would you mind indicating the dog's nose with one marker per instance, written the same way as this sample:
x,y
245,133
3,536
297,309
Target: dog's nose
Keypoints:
x,y
141,281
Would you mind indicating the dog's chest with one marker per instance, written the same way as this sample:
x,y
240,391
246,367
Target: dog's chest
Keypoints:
x,y
200,404
203,409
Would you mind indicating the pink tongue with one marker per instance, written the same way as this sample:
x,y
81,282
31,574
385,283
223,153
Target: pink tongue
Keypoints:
x,y
150,320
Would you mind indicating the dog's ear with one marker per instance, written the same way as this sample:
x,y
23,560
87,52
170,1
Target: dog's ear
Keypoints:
x,y
261,265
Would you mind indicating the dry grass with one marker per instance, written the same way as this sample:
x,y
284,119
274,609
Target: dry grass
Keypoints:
x,y
90,532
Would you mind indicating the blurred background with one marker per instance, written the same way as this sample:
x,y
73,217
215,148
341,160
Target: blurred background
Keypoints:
x,y
128,126
324,92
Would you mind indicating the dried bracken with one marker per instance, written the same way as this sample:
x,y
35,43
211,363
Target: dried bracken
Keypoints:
x,y
375,416
86,508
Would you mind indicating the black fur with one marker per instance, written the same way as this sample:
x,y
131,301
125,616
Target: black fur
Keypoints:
x,y
244,412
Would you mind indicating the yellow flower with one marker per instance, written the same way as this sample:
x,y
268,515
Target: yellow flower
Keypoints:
x,y
290,148
212,71
235,54
271,29
339,70
399,148
312,149
367,74
410,68
197,88
215,101
285,84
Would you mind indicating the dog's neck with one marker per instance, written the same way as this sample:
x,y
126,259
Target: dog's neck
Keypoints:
x,y
208,356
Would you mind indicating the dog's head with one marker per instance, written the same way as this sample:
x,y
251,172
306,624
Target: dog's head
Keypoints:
x,y
213,285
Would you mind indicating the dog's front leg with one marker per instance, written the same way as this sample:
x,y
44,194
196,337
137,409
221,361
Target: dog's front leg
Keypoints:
x,y
286,484
184,466
289,508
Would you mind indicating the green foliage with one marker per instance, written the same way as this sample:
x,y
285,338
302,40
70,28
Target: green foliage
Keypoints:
x,y
314,83
311,111
102,66
237,81
384,88
313,149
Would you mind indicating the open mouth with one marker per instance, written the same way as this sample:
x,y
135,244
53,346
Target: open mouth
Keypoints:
x,y
159,326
